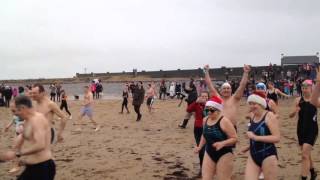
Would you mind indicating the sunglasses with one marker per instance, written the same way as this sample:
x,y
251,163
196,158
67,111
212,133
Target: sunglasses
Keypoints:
x,y
212,110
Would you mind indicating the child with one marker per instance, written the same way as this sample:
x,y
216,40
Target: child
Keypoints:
x,y
19,129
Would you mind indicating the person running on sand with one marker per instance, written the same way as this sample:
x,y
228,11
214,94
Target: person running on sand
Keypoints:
x,y
271,104
218,136
48,108
263,134
150,95
34,142
64,103
87,109
273,93
307,129
18,122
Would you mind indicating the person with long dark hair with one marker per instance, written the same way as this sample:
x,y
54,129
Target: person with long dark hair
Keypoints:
x,y
64,104
125,96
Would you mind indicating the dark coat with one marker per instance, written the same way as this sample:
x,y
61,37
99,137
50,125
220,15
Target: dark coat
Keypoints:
x,y
138,96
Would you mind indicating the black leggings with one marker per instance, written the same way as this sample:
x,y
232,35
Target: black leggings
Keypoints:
x,y
53,96
8,102
164,95
197,136
97,95
124,104
64,104
137,110
44,171
58,97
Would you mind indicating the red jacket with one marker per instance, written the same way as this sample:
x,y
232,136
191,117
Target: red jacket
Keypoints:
x,y
198,109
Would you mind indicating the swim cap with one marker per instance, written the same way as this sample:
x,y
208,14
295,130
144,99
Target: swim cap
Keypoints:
x,y
307,82
261,86
226,84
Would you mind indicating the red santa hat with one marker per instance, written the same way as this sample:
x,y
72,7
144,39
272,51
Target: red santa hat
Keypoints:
x,y
259,98
215,102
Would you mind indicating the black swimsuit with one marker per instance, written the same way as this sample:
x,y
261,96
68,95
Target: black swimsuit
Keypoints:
x,y
214,134
307,129
273,96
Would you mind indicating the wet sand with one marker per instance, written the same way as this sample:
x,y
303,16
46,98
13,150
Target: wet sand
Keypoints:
x,y
154,148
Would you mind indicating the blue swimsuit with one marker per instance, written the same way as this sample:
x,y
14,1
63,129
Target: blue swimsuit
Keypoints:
x,y
260,150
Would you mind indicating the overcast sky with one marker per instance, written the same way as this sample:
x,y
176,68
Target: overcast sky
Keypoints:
x,y
45,38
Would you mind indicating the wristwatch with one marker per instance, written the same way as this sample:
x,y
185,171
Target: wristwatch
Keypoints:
x,y
18,154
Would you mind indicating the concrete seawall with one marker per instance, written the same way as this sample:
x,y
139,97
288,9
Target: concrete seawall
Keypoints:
x,y
217,74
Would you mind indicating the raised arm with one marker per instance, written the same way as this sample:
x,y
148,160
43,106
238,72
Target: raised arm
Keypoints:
x,y
239,92
316,91
295,109
212,89
281,93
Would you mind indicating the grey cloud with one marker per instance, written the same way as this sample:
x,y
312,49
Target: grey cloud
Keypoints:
x,y
67,36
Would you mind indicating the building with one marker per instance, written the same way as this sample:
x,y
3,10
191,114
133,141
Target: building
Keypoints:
x,y
298,60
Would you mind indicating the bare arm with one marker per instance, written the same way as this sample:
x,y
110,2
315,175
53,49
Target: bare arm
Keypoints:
x,y
18,142
239,92
154,92
8,126
229,129
296,108
63,119
316,92
203,140
274,108
212,89
273,124
281,93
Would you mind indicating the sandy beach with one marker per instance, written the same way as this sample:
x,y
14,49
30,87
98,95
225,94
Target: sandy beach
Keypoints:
x,y
154,148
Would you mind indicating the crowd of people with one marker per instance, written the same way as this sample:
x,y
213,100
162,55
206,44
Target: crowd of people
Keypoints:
x,y
215,107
